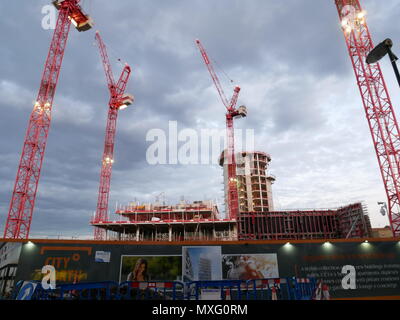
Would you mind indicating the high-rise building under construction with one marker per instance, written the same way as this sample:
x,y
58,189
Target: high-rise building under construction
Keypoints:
x,y
254,183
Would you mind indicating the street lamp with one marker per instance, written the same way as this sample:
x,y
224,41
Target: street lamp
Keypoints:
x,y
385,47
383,208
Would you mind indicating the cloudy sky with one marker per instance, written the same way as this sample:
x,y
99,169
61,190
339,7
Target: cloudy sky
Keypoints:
x,y
289,57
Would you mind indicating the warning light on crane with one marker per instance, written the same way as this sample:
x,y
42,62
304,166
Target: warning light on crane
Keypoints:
x,y
353,20
361,14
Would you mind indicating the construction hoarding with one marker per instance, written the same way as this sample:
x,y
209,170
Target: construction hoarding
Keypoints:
x,y
351,269
150,268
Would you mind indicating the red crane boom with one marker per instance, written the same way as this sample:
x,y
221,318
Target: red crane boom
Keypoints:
x,y
118,100
232,112
26,184
377,104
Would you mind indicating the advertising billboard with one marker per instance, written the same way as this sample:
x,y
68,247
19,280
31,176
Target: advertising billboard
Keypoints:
x,y
150,268
250,266
201,263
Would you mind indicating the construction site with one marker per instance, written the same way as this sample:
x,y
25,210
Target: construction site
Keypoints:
x,y
256,219
249,209
247,224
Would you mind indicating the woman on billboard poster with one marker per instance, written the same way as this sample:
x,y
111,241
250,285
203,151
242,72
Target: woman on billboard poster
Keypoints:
x,y
139,272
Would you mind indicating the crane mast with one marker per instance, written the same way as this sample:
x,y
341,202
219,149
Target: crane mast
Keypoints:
x,y
377,104
118,100
24,193
232,112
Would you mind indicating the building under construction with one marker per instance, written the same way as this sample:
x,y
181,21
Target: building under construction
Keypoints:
x,y
254,184
201,220
248,187
198,221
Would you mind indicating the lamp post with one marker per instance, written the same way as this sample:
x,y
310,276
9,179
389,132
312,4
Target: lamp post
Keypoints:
x,y
376,54
383,208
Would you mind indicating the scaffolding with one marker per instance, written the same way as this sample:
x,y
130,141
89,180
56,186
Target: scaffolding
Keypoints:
x,y
288,225
354,221
197,221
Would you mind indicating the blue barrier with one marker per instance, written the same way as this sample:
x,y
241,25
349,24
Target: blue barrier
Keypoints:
x,y
260,289
16,289
228,289
270,289
151,290
257,289
31,290
106,290
304,288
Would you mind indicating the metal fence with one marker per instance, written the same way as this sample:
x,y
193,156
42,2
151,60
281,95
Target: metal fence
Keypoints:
x,y
260,289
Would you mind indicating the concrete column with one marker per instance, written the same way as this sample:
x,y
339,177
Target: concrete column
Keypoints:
x,y
249,188
169,233
235,231
137,233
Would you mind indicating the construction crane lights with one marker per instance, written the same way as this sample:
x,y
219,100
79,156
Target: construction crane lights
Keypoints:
x,y
353,19
108,160
361,15
73,22
38,107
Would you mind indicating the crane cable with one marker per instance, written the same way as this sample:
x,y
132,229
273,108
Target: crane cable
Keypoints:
x,y
112,54
223,71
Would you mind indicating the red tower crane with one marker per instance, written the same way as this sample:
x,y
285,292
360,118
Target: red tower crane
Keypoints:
x,y
377,104
118,100
232,112
26,184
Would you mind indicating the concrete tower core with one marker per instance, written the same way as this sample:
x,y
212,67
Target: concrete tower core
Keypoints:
x,y
254,182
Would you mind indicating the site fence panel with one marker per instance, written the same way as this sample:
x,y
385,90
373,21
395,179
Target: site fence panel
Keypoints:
x,y
151,290
260,289
305,287
216,290
31,290
87,291
270,289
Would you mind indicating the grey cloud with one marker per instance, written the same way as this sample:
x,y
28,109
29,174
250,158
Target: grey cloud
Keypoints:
x,y
283,54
